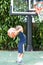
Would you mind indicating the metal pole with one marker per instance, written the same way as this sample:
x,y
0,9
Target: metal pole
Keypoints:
x,y
29,33
29,30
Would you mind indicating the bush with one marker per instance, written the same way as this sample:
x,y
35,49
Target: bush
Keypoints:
x,y
7,21
37,36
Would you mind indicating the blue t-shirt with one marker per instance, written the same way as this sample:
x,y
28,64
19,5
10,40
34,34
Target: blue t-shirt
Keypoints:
x,y
22,37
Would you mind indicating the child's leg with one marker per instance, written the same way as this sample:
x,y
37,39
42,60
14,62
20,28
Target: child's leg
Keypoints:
x,y
20,56
20,51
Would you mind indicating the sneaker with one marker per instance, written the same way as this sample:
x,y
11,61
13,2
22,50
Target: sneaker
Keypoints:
x,y
19,62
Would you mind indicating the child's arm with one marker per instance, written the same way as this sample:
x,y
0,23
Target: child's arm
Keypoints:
x,y
19,29
17,32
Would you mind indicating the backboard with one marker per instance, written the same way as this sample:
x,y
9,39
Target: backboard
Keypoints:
x,y
32,3
22,7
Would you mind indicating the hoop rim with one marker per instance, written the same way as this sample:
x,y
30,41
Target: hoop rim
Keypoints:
x,y
38,9
38,3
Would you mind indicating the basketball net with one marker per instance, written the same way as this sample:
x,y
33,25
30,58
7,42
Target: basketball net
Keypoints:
x,y
39,10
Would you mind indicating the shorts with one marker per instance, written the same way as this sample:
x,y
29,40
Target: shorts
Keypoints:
x,y
21,47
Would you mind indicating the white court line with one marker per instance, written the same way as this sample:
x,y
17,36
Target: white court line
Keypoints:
x,y
11,61
41,56
39,63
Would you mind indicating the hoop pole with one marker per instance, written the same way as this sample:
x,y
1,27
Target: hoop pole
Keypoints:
x,y
29,33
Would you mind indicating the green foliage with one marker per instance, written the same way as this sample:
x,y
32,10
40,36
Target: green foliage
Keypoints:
x,y
41,34
38,36
7,21
20,5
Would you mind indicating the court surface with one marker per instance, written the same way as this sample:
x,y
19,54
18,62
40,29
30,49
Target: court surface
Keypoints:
x,y
30,58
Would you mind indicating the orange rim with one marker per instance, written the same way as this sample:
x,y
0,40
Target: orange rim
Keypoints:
x,y
38,9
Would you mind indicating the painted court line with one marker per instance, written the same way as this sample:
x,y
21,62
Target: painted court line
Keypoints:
x,y
11,61
41,56
39,63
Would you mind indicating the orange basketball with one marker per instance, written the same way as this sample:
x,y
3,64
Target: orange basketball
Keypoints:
x,y
12,33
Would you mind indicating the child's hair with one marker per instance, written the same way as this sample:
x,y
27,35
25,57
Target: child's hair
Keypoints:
x,y
19,27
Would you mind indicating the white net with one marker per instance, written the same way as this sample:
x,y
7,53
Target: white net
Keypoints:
x,y
39,10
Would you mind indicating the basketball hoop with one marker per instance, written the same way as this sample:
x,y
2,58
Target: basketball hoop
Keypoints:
x,y
39,9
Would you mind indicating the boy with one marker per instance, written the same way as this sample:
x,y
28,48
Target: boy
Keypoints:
x,y
21,43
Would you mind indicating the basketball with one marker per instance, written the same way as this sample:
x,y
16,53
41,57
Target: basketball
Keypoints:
x,y
12,32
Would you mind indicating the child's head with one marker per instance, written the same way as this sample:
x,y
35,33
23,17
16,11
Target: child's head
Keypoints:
x,y
19,27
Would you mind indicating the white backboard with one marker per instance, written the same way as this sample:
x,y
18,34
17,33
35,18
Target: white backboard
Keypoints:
x,y
22,7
